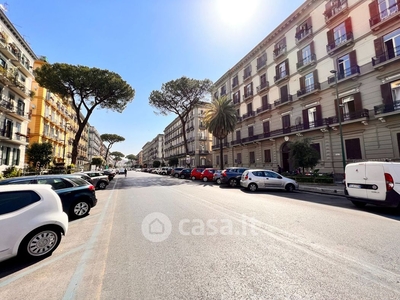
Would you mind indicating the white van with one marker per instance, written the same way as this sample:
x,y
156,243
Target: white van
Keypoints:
x,y
373,182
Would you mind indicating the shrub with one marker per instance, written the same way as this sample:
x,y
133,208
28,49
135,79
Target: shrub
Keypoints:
x,y
12,172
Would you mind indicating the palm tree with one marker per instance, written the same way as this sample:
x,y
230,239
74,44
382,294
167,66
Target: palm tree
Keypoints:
x,y
220,119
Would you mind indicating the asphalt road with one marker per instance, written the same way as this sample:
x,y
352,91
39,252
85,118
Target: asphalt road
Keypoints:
x,y
155,237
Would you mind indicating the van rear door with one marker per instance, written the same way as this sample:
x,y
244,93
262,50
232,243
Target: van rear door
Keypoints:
x,y
375,184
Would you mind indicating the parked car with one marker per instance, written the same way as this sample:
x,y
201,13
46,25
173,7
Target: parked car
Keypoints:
x,y
185,173
255,179
175,172
32,221
77,195
83,176
99,180
231,176
207,174
373,182
110,173
217,176
196,173
165,170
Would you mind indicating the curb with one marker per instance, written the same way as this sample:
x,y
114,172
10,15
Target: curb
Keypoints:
x,y
322,190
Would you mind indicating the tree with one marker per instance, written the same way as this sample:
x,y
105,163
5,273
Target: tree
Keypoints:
x,y
131,158
39,152
173,161
220,119
86,88
97,161
303,155
111,139
180,96
156,164
117,156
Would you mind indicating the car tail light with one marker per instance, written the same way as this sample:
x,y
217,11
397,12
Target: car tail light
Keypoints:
x,y
389,182
223,174
91,187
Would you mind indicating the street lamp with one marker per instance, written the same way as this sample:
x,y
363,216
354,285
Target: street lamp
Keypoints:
x,y
340,119
65,136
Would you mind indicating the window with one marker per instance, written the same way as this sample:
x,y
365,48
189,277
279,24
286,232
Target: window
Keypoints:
x,y
248,90
284,94
20,107
303,30
339,35
286,123
252,157
312,116
15,200
225,159
223,90
247,72
282,70
18,129
306,55
250,131
238,138
249,108
386,8
317,147
267,156
239,158
263,81
353,149
344,66
351,107
266,126
3,63
264,101
280,47
56,183
236,97
262,60
7,128
309,82
235,81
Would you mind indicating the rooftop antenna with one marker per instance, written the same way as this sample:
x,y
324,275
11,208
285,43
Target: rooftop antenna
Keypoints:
x,y
3,7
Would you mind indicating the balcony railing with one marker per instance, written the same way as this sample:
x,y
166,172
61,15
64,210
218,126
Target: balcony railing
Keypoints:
x,y
261,64
303,34
386,56
279,51
281,101
264,107
246,75
335,10
347,73
281,76
312,88
386,108
344,40
385,15
248,95
363,113
308,61
249,115
263,86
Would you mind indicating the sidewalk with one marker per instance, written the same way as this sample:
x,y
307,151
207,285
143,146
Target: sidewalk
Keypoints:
x,y
334,189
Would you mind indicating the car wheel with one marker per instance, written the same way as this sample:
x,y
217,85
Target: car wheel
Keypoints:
x,y
289,187
218,181
193,178
176,175
102,185
252,187
358,203
80,209
182,176
40,242
233,182
205,179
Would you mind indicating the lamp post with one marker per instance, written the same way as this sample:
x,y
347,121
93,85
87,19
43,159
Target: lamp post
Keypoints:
x,y
65,136
340,119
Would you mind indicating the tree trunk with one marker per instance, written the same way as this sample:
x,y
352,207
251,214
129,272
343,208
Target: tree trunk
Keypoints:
x,y
221,153
75,145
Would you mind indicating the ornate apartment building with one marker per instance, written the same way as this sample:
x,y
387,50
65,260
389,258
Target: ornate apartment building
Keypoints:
x,y
331,73
94,143
54,121
153,151
16,65
198,138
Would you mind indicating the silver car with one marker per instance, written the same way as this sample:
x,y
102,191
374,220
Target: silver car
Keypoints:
x,y
255,179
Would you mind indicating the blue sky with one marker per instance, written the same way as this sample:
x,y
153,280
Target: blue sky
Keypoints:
x,y
147,42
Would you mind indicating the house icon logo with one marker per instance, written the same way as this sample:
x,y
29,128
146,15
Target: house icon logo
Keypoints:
x,y
156,227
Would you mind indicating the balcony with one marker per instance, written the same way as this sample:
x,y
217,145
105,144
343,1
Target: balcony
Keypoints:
x,y
248,115
385,17
246,76
283,101
279,52
306,62
261,65
264,108
387,108
281,77
248,95
309,90
250,139
350,73
343,41
336,10
204,152
303,35
386,57
263,86
236,100
350,116
236,142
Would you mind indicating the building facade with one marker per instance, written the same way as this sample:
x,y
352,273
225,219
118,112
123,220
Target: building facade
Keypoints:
x,y
94,143
16,65
327,73
199,140
153,151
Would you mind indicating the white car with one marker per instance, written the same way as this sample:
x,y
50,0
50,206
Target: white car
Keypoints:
x,y
32,220
255,179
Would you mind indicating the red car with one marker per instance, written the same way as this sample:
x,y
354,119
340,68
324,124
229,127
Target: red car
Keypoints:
x,y
196,173
207,174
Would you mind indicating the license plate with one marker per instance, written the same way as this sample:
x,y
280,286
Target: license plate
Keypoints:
x,y
355,186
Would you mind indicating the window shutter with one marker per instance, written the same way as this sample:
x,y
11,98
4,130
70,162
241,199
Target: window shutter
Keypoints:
x,y
277,71
306,122
312,47
353,59
328,7
287,66
308,23
379,49
315,75
264,100
331,40
357,102
386,92
319,115
284,93
299,56
347,25
302,83
374,12
266,127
